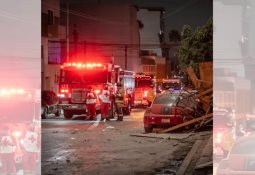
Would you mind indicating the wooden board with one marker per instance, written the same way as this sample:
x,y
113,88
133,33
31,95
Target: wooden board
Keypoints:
x,y
204,92
169,136
187,123
206,73
193,77
185,164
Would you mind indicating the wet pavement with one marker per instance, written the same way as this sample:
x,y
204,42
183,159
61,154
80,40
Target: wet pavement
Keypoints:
x,y
91,147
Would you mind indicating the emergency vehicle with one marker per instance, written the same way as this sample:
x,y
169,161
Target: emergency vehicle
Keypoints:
x,y
75,81
19,108
143,84
127,80
171,84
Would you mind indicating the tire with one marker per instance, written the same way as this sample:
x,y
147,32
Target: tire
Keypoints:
x,y
58,113
120,118
148,129
45,113
68,115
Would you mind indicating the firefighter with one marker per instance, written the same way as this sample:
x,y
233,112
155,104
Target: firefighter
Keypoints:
x,y
30,146
105,101
119,101
150,96
91,105
7,149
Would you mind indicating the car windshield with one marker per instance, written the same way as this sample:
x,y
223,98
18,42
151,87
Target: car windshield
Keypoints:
x,y
245,147
165,99
167,86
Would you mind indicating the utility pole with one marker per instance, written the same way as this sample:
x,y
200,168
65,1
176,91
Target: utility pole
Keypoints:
x,y
67,30
125,57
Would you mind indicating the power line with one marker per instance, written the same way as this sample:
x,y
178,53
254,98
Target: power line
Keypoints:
x,y
83,15
181,8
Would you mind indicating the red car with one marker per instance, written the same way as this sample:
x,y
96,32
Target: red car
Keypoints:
x,y
241,159
166,110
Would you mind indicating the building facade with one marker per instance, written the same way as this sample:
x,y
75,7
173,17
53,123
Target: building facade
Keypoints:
x,y
51,52
105,32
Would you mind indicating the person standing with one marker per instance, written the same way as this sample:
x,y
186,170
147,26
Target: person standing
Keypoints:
x,y
105,103
7,150
119,101
91,105
30,147
151,96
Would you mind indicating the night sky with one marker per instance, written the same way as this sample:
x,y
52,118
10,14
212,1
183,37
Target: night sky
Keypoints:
x,y
181,12
178,12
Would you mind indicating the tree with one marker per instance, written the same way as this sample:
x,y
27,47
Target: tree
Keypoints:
x,y
174,36
196,47
186,31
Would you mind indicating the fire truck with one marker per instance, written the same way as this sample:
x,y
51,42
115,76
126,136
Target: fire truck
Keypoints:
x,y
127,80
171,84
143,84
76,79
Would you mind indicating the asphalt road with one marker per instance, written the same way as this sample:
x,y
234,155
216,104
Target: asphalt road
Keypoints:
x,y
91,147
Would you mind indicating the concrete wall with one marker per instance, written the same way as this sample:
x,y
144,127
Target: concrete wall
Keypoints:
x,y
108,24
150,30
49,72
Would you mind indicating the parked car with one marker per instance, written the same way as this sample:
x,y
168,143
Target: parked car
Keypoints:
x,y
49,104
168,109
241,158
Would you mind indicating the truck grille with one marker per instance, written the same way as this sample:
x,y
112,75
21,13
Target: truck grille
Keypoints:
x,y
78,95
138,95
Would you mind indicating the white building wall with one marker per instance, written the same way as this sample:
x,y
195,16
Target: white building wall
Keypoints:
x,y
151,28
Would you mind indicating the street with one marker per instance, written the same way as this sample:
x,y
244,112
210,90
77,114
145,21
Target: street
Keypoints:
x,y
89,147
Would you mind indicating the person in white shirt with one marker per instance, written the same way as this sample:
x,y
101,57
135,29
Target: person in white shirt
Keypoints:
x,y
91,105
105,103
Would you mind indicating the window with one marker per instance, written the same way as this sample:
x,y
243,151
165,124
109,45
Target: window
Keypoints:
x,y
165,99
50,17
245,147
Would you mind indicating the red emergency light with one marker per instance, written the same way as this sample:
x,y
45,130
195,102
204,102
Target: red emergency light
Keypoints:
x,y
64,90
8,92
82,65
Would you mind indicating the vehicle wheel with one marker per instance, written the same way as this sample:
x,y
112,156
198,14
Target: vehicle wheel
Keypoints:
x,y
148,129
45,113
58,113
68,115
